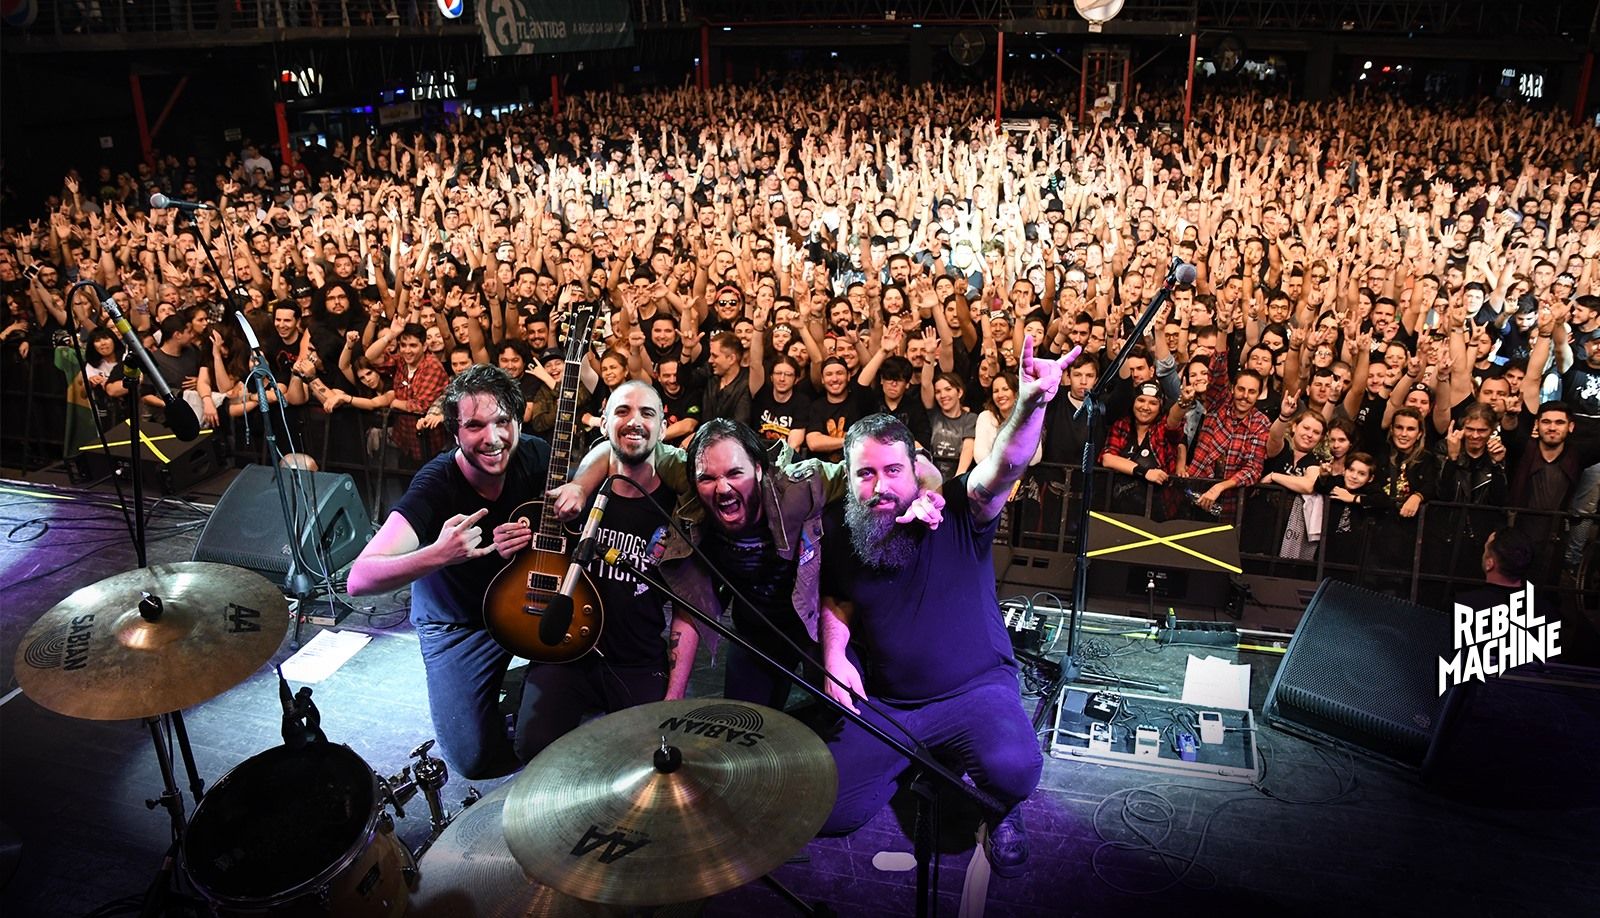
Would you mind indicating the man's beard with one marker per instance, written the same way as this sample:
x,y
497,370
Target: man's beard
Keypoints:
x,y
879,541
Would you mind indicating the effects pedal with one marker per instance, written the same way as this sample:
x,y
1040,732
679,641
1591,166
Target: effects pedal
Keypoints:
x,y
1103,706
1186,747
1099,737
1146,742
1210,727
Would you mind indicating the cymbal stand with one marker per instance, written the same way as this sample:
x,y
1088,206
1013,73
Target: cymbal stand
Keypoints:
x,y
171,797
160,892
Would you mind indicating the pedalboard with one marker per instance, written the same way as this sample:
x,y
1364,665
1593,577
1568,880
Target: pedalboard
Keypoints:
x,y
1156,734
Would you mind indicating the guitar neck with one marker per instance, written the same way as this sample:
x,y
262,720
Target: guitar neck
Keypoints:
x,y
562,442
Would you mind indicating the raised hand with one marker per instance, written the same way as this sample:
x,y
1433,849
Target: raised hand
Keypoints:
x,y
1039,379
928,507
459,539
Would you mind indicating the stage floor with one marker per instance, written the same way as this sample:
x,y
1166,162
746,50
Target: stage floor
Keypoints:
x,y
1509,826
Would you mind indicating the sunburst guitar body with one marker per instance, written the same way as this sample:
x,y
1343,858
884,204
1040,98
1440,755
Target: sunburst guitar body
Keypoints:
x,y
541,575
525,606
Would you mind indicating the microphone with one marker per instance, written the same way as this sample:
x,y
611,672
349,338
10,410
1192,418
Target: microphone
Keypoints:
x,y
159,201
249,332
591,526
1182,272
180,417
557,615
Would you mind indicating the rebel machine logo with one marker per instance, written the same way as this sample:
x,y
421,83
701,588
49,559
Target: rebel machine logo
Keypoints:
x,y
1492,641
733,723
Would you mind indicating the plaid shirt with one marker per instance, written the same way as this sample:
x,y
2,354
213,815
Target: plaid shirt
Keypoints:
x,y
1238,443
420,388
1163,442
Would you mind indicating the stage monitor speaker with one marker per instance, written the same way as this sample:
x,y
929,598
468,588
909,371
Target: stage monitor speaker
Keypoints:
x,y
1361,673
1173,561
168,464
247,527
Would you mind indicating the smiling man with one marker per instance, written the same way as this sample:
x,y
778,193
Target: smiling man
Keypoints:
x,y
434,540
633,662
919,606
759,522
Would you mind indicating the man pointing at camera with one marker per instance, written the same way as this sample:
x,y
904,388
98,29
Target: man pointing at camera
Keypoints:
x,y
910,619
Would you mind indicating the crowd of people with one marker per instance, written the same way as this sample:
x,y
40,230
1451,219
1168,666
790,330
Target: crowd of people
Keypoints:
x,y
856,321
1393,306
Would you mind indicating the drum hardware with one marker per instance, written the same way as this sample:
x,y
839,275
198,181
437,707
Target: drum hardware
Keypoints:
x,y
147,643
298,831
302,722
428,775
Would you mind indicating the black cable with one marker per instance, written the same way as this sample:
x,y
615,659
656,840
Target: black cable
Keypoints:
x,y
126,905
102,542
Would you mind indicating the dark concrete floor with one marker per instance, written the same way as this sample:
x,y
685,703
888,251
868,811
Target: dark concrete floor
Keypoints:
x,y
1507,826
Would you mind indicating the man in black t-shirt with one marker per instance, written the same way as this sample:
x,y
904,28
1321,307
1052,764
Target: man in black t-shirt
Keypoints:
x,y
640,656
841,404
680,400
919,607
433,541
180,364
780,412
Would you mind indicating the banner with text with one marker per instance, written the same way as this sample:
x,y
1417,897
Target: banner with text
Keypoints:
x,y
553,26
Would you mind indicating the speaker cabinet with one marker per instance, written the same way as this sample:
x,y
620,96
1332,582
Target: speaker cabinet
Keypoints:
x,y
167,463
247,527
1361,673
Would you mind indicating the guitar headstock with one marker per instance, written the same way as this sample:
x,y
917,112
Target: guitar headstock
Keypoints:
x,y
574,329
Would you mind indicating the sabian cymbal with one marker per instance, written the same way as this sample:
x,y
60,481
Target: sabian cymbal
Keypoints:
x,y
108,653
469,873
601,817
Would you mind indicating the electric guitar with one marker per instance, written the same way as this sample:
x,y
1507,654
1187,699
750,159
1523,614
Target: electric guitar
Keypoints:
x,y
543,576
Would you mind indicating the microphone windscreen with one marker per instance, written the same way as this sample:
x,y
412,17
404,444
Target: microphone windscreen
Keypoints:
x,y
556,618
181,420
159,201
1185,273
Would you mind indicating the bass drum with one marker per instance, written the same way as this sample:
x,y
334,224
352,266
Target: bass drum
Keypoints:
x,y
298,832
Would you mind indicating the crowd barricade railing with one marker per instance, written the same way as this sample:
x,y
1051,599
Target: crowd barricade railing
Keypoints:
x,y
1442,545
1441,554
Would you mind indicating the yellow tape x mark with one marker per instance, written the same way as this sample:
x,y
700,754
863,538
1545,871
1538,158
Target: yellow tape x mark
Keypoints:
x,y
144,438
1151,538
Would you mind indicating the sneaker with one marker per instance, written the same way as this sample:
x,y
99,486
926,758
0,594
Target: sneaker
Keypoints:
x,y
1006,845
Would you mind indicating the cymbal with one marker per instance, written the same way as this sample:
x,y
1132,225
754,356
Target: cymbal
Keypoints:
x,y
96,656
600,817
469,873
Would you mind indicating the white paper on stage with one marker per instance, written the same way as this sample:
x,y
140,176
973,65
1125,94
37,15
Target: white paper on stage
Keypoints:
x,y
1214,682
322,656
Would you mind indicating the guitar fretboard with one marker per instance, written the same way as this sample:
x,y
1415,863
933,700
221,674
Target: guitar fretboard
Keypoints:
x,y
551,535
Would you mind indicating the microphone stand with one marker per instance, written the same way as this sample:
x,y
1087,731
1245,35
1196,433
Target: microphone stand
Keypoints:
x,y
166,730
1071,664
295,581
927,808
